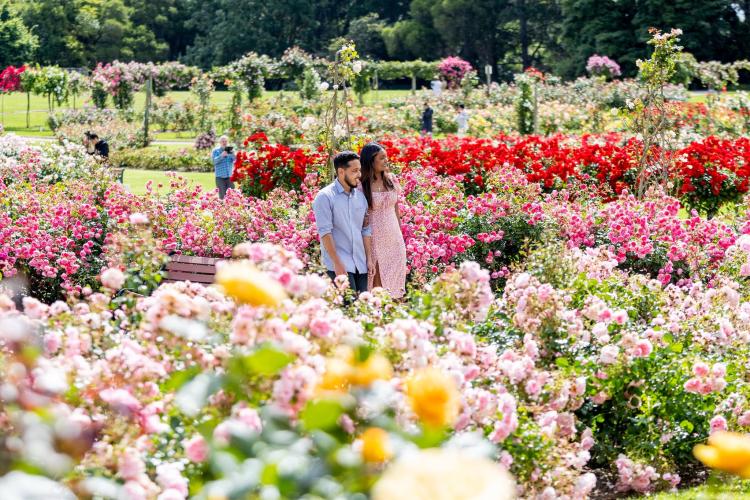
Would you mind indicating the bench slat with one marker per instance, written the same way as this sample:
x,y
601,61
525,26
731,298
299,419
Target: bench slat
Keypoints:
x,y
191,259
197,268
194,277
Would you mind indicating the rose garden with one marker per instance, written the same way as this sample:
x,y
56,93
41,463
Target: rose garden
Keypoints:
x,y
577,317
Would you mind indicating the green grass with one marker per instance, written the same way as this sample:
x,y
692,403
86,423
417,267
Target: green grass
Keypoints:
x,y
13,106
135,180
731,489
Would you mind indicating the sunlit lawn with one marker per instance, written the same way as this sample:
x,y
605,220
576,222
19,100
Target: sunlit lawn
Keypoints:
x,y
135,180
13,106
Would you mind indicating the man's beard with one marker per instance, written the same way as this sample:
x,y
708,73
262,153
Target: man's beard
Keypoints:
x,y
352,186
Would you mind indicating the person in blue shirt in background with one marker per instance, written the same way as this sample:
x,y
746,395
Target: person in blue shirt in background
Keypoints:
x,y
223,157
343,226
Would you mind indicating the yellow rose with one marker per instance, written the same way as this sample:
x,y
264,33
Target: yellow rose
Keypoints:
x,y
337,376
376,445
248,285
376,367
726,451
433,397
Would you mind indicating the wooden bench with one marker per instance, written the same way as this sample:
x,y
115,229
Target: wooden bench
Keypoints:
x,y
194,269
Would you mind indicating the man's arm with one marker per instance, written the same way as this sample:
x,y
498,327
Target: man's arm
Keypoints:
x,y
324,221
216,156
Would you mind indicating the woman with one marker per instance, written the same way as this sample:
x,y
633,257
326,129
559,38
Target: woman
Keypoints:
x,y
388,249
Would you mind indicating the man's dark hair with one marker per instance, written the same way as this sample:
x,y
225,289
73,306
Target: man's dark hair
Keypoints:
x,y
461,106
92,135
342,159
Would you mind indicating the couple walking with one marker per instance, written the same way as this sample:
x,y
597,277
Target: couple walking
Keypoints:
x,y
359,223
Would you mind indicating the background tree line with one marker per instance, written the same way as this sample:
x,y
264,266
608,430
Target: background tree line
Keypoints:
x,y
556,35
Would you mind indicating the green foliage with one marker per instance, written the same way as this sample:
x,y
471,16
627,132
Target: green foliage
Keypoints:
x,y
181,160
18,44
525,107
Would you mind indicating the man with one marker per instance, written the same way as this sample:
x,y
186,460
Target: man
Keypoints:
x,y
223,157
427,120
101,148
345,234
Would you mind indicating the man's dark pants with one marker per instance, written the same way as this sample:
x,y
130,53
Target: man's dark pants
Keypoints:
x,y
224,183
357,281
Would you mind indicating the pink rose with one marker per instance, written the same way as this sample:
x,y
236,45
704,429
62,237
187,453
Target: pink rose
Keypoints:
x,y
130,465
196,449
609,354
120,400
692,385
719,370
744,419
700,369
112,278
642,349
718,423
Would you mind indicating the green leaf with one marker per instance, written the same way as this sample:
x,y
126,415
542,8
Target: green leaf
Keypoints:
x,y
676,347
562,362
179,378
321,414
267,360
669,338
688,426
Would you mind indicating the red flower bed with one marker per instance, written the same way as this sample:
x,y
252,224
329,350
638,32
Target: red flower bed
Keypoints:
x,y
709,173
267,166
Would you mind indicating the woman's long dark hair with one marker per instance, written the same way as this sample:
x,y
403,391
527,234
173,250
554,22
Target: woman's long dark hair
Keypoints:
x,y
367,160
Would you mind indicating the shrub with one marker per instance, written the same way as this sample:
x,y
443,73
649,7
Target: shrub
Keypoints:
x,y
181,160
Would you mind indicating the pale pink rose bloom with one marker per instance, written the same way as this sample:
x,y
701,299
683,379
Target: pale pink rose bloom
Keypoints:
x,y
585,484
320,327
196,449
609,354
718,423
250,418
169,476
620,317
171,494
138,218
533,387
719,385
745,269
132,490
121,400
719,370
130,464
643,348
506,459
744,419
112,278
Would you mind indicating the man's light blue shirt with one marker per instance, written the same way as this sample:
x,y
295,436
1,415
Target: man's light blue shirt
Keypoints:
x,y
222,166
343,215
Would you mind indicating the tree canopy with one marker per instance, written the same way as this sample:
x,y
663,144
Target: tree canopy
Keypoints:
x,y
554,35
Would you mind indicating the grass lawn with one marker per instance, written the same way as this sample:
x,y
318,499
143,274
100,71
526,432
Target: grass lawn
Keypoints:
x,y
135,180
717,489
13,107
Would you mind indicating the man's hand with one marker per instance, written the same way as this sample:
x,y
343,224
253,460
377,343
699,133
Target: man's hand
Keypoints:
x,y
339,268
223,154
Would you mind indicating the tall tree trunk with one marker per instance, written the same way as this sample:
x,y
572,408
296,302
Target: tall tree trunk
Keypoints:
x,y
524,33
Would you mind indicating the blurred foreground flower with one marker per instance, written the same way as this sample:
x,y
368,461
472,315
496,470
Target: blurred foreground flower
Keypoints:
x,y
376,445
433,397
245,283
344,370
440,474
726,451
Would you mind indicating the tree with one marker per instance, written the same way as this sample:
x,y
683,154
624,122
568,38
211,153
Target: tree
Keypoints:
x,y
54,23
17,43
